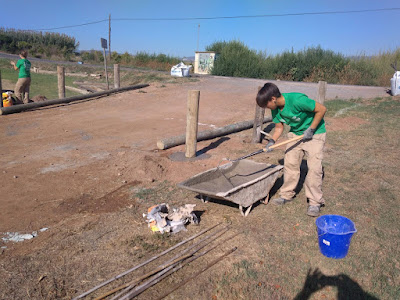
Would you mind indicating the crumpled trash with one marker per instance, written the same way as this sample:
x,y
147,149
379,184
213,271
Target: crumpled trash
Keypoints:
x,y
161,218
181,70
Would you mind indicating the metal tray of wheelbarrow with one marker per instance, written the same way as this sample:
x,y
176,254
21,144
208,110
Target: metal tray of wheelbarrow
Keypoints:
x,y
243,182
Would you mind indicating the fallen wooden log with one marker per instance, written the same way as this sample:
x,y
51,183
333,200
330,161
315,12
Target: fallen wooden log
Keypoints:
x,y
23,107
208,134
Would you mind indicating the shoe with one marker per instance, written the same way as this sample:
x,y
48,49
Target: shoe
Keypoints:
x,y
313,210
279,201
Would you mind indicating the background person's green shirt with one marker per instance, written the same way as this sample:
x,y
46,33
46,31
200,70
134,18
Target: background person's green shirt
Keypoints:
x,y
298,113
24,67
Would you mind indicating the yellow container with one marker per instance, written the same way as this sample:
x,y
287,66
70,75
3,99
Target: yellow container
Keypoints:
x,y
7,101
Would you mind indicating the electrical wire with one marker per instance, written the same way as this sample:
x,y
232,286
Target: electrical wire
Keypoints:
x,y
227,17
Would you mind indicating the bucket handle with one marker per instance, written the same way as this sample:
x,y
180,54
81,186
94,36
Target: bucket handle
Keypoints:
x,y
353,231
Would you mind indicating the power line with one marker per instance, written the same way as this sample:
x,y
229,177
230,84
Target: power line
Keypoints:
x,y
230,17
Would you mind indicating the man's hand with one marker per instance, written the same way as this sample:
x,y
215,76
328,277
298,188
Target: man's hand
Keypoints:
x,y
270,143
308,134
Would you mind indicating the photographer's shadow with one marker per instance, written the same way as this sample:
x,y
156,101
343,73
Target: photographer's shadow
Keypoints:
x,y
347,287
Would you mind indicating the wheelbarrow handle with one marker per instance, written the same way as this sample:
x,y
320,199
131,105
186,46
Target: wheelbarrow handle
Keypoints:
x,y
272,147
286,142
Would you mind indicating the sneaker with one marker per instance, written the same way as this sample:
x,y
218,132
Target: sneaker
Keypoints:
x,y
279,201
313,210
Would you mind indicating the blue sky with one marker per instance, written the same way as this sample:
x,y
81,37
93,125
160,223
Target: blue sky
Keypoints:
x,y
350,34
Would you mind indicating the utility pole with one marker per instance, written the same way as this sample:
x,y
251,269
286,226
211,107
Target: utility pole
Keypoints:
x,y
198,34
109,36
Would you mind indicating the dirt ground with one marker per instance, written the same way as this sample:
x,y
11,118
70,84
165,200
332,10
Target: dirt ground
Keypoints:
x,y
83,170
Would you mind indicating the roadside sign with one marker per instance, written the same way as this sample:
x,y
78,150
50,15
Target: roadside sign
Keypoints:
x,y
103,43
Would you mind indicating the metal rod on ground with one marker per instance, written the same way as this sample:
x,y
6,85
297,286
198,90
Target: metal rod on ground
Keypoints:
x,y
208,134
258,122
116,76
23,107
172,262
321,92
199,272
61,82
159,277
192,120
144,263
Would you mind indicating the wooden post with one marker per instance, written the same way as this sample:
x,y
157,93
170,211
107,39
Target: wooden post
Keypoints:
x,y
61,81
116,76
258,122
1,92
192,123
321,92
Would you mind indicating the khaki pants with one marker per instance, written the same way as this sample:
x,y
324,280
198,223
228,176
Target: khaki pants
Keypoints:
x,y
22,89
294,154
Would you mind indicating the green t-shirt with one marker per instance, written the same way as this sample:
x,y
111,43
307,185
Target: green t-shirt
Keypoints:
x,y
298,113
24,67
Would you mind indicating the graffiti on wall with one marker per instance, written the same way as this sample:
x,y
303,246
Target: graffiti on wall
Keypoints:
x,y
205,62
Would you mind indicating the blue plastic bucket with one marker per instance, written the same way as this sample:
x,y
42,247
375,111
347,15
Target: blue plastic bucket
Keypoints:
x,y
334,235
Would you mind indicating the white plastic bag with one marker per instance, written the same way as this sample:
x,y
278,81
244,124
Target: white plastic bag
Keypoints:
x,y
180,70
395,83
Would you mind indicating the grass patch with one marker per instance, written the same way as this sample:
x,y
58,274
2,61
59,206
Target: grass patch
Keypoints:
x,y
361,183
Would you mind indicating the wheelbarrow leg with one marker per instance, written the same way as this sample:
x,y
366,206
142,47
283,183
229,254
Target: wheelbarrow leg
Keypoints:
x,y
265,200
245,214
204,198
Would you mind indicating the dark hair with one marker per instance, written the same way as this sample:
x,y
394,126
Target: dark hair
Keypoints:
x,y
266,93
24,53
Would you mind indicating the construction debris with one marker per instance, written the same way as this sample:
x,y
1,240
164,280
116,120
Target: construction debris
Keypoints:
x,y
20,237
161,218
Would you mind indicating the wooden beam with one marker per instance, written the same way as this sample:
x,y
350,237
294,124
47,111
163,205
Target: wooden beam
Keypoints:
x,y
208,134
192,120
34,105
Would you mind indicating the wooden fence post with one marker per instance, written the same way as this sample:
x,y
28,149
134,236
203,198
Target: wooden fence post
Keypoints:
x,y
192,123
116,76
61,81
321,92
258,122
1,92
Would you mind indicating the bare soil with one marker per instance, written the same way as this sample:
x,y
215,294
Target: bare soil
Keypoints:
x,y
88,170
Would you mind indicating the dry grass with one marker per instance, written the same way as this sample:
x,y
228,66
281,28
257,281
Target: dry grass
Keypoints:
x,y
277,256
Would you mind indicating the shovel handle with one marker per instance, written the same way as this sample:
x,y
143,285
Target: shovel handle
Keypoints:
x,y
286,142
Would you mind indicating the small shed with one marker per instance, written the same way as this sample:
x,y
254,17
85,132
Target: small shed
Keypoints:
x,y
204,62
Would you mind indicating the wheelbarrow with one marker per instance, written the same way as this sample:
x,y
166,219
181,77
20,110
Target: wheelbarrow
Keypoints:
x,y
243,182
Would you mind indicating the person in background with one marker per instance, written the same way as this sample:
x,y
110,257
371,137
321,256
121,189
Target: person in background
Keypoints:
x,y
305,117
24,77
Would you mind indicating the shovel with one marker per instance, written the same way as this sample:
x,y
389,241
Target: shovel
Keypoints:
x,y
255,153
272,147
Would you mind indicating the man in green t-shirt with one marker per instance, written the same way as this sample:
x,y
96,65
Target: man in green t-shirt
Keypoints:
x,y
24,77
305,117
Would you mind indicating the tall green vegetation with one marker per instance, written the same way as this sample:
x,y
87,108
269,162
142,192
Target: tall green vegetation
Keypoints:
x,y
236,60
38,44
141,59
310,65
